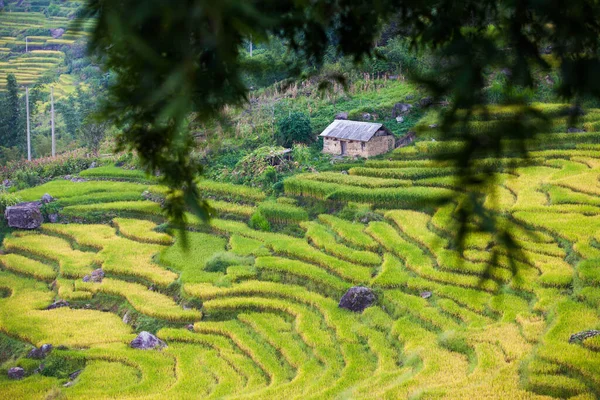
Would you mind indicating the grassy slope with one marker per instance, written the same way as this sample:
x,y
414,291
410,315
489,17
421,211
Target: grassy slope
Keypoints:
x,y
264,304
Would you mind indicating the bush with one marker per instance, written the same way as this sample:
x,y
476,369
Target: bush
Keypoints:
x,y
294,129
7,200
259,222
31,173
220,261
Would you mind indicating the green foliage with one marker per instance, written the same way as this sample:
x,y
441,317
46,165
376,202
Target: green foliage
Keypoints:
x,y
7,200
219,262
295,128
259,222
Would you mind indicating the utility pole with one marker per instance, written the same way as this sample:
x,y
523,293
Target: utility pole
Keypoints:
x,y
28,131
52,120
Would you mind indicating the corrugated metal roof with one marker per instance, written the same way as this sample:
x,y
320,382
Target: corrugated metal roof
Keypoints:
x,y
351,130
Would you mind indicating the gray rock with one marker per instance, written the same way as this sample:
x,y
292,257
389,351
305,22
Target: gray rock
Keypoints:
x,y
96,276
6,183
574,130
75,374
581,336
53,218
24,215
357,298
41,352
190,327
58,304
341,115
366,116
344,172
399,119
56,33
47,199
16,373
126,318
400,109
93,165
426,102
433,126
426,294
147,341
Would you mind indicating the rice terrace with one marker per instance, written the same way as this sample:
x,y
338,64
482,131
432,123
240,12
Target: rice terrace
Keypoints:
x,y
371,237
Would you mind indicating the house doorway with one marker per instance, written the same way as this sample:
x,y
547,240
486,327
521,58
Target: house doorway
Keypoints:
x,y
343,145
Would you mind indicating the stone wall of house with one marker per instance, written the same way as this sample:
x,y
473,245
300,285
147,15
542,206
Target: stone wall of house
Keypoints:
x,y
331,146
377,145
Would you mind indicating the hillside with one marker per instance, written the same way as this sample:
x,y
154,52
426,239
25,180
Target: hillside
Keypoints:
x,y
251,308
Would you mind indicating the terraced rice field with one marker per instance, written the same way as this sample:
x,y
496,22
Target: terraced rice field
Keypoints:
x,y
29,56
263,306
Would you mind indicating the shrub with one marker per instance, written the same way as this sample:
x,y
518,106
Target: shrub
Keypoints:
x,y
220,261
7,200
259,222
31,173
295,128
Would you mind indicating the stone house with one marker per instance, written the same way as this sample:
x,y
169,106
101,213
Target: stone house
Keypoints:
x,y
353,138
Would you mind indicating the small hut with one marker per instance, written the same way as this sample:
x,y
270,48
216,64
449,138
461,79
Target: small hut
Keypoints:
x,y
353,138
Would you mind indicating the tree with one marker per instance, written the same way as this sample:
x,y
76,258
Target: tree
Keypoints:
x,y
294,128
173,58
12,131
93,133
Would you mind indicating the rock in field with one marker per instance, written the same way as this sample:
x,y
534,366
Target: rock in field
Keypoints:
x,y
400,109
16,373
96,276
41,352
58,304
47,199
147,341
24,215
425,102
341,115
357,298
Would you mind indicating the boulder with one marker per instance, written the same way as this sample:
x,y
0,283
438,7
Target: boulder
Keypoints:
x,y
574,130
583,335
425,102
53,218
190,327
47,199
40,353
357,298
147,341
93,165
58,304
400,109
399,119
341,115
24,215
16,373
426,294
366,116
75,374
96,276
56,33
